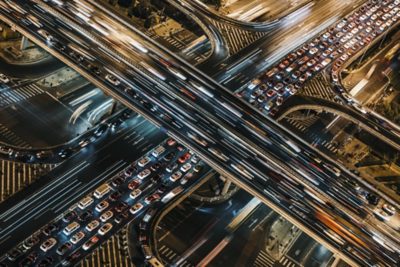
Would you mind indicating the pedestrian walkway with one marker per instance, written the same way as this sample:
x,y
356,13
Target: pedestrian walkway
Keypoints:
x,y
169,255
15,175
264,260
286,262
9,137
11,96
313,138
318,87
237,39
110,254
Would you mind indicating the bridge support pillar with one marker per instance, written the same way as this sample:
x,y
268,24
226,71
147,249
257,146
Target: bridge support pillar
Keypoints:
x,y
25,43
225,189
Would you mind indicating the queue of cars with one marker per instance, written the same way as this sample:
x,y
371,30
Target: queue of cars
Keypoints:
x,y
122,198
337,44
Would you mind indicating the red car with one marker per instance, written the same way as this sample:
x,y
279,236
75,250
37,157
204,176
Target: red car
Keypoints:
x,y
171,142
152,198
134,184
184,158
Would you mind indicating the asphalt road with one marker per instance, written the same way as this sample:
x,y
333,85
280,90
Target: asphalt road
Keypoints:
x,y
25,212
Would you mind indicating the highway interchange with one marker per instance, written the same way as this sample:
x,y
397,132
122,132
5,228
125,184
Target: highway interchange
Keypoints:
x,y
234,139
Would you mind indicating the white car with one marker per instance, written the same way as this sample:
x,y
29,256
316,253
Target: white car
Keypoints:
x,y
136,208
112,79
92,225
176,176
186,167
135,193
102,206
48,244
77,237
144,161
143,174
106,216
4,78
105,228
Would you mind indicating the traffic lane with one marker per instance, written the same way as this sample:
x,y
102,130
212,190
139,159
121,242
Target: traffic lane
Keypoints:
x,y
99,161
147,186
292,32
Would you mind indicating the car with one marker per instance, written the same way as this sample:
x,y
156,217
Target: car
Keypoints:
x,y
162,188
92,225
30,242
106,216
144,161
195,159
155,166
117,181
28,261
118,218
68,260
77,237
134,184
105,228
175,176
157,178
45,262
279,100
171,142
136,208
197,168
85,142
115,195
172,167
85,216
184,157
61,250
143,174
101,129
14,254
150,199
389,209
69,216
49,229
102,206
121,206
65,153
44,154
4,78
186,178
169,156
48,244
129,171
112,79
91,242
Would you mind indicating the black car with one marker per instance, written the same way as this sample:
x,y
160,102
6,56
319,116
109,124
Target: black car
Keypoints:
x,y
69,216
161,189
117,181
65,153
46,262
121,206
129,171
94,69
101,129
68,260
30,242
131,92
61,250
49,229
85,216
115,195
14,254
156,178
155,166
169,156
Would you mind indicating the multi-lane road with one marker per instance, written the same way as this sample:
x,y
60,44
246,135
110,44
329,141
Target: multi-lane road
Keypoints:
x,y
214,123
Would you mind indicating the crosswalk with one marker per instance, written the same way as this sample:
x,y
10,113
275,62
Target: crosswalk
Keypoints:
x,y
110,254
169,256
318,87
9,137
10,96
286,262
237,39
264,260
14,176
314,138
